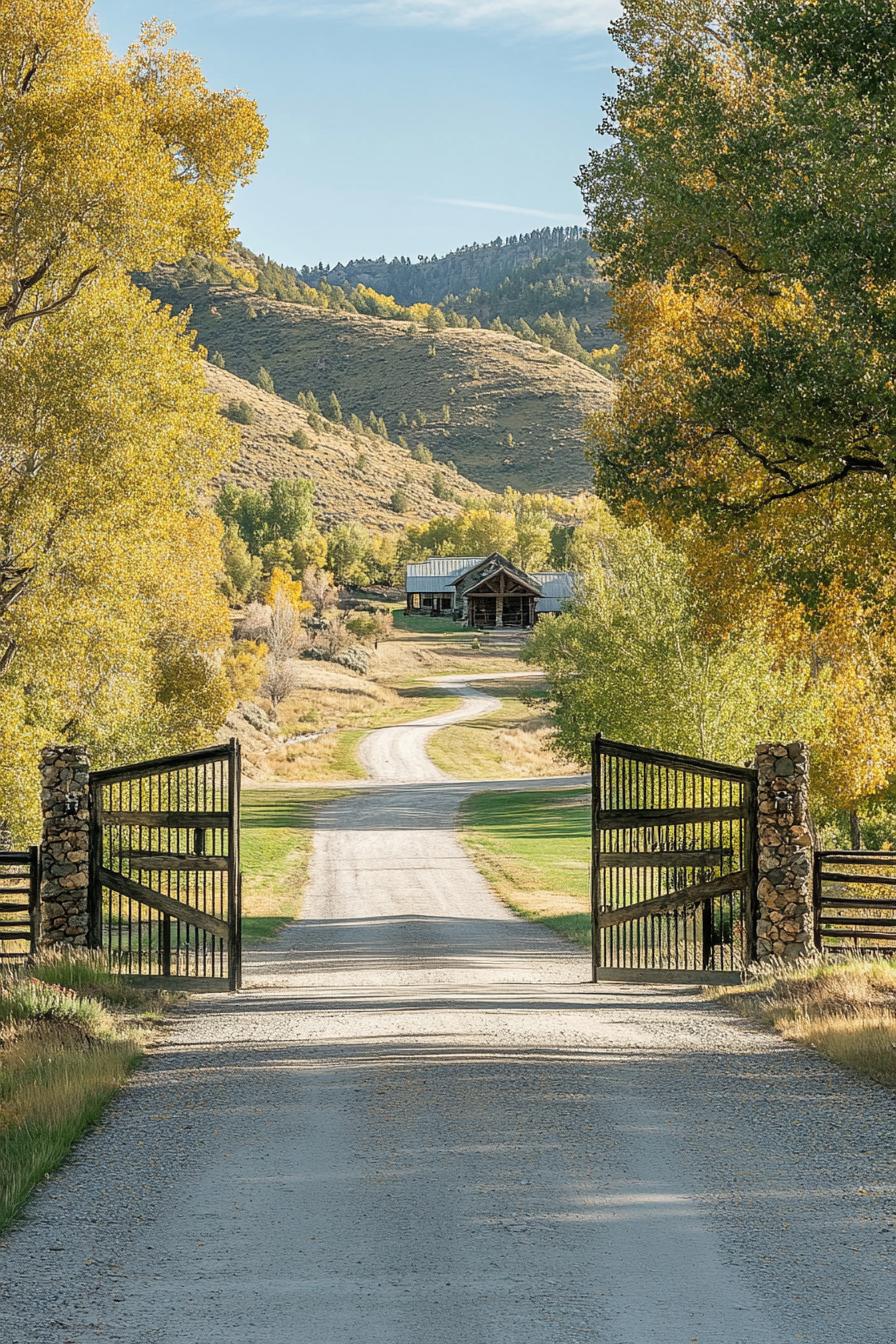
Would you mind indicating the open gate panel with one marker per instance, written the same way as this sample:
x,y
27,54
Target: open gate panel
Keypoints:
x,y
673,866
165,886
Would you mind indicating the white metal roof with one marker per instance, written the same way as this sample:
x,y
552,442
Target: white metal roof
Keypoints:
x,y
556,588
439,574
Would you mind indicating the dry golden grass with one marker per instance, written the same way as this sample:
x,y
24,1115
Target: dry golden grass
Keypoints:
x,y
70,1033
420,647
493,383
846,1008
338,707
354,477
514,742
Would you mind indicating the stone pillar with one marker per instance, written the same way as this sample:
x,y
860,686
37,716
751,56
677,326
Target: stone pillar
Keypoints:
x,y
784,925
64,796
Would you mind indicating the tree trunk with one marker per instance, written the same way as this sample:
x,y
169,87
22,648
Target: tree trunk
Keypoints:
x,y
855,831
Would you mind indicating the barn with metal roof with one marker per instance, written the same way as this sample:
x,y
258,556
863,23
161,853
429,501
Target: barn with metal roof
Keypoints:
x,y
484,592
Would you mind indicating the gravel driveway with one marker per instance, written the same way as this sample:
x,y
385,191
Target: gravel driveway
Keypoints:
x,y
420,1125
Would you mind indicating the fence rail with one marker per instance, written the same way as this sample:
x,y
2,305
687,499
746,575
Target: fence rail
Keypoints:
x,y
19,903
854,898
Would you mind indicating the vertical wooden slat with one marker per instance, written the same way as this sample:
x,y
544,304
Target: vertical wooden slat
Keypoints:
x,y
751,861
816,901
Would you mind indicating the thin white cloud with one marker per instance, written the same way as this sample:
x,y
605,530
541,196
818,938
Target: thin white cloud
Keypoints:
x,y
495,207
590,60
564,18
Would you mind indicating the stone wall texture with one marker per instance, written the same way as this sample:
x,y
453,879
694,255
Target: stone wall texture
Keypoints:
x,y
65,773
784,925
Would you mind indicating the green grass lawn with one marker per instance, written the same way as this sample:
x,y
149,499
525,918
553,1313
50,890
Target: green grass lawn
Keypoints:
x,y
534,849
428,625
275,849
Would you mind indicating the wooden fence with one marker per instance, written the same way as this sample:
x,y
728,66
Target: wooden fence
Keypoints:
x,y
854,898
19,903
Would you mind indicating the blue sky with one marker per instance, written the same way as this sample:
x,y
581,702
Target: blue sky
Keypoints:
x,y
401,126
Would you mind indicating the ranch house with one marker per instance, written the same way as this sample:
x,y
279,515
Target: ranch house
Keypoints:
x,y
484,592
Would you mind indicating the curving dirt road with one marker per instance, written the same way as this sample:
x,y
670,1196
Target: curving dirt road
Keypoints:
x,y
420,1125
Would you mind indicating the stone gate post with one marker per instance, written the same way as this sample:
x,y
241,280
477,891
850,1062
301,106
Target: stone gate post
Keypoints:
x,y
784,924
65,773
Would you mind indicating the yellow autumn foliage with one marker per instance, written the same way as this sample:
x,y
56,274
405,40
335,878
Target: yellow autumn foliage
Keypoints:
x,y
282,584
244,666
111,623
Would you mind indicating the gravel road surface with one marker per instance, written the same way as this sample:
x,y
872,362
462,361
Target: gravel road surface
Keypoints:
x,y
420,1125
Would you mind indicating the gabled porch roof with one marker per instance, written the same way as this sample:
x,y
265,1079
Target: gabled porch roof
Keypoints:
x,y
526,584
472,579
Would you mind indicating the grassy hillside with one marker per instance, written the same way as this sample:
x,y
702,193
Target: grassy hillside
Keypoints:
x,y
514,409
354,477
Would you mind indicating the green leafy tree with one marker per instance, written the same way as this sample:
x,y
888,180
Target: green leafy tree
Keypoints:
x,y
277,524
348,553
276,557
290,509
264,380
309,548
741,208
251,517
242,570
334,409
629,659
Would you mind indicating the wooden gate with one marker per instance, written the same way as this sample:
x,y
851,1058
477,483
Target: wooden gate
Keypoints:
x,y
164,868
673,866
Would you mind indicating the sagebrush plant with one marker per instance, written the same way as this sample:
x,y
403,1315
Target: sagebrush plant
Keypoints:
x,y
86,972
24,999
